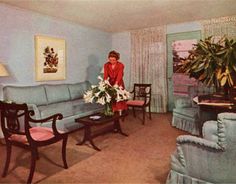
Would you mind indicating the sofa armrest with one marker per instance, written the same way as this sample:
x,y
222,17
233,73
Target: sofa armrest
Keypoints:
x,y
183,102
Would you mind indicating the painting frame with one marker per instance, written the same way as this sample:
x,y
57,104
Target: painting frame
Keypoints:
x,y
50,58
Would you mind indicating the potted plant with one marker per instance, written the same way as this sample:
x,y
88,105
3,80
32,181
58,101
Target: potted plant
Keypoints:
x,y
213,63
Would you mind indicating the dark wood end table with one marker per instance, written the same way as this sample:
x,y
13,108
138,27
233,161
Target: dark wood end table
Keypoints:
x,y
213,104
88,123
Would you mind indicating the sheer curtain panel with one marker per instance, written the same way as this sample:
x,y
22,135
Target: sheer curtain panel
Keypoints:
x,y
148,63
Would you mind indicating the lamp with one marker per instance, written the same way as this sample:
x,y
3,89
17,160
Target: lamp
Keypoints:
x,y
3,71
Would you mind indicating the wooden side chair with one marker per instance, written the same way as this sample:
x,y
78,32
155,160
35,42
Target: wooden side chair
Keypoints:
x,y
31,137
141,99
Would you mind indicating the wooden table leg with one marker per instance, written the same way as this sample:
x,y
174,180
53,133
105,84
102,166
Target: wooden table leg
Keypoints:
x,y
118,128
88,137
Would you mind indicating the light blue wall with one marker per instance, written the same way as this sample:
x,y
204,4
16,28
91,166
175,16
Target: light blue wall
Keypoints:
x,y
86,48
121,43
183,27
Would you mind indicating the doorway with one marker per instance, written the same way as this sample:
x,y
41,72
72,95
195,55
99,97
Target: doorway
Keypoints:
x,y
178,45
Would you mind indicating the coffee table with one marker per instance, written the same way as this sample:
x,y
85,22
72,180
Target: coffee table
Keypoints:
x,y
88,123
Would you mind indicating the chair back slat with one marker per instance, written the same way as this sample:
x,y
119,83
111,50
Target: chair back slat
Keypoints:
x,y
142,92
10,114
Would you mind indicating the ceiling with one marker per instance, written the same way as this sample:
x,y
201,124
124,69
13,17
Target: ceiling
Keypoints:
x,y
123,15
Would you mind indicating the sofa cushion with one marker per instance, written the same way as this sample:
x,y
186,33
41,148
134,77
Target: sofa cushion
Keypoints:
x,y
25,94
182,102
57,93
65,108
77,90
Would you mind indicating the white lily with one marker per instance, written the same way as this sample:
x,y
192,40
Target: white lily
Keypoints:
x,y
93,86
88,97
97,94
101,101
101,88
108,98
107,82
100,78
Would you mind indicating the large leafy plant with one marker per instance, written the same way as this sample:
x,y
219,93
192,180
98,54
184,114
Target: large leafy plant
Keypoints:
x,y
212,62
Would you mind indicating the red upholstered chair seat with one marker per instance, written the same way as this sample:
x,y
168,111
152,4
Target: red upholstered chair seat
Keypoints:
x,y
135,102
37,133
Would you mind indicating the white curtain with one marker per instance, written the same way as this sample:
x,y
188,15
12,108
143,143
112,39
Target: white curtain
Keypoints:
x,y
148,63
219,27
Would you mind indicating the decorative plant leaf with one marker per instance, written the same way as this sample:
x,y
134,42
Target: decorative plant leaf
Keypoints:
x,y
223,80
230,80
212,63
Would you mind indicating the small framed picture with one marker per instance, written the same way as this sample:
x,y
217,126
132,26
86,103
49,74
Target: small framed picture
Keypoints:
x,y
50,58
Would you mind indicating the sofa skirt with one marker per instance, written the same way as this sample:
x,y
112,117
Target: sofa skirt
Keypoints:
x,y
178,178
189,125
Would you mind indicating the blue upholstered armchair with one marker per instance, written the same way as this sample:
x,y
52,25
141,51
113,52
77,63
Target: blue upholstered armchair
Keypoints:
x,y
185,113
210,159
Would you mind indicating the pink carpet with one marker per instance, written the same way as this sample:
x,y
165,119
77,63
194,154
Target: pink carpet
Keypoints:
x,y
143,157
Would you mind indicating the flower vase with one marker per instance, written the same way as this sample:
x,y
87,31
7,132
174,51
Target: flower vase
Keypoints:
x,y
108,110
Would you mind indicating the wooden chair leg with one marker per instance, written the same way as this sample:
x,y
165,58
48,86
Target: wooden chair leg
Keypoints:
x,y
37,154
150,112
64,142
134,112
33,163
8,158
144,113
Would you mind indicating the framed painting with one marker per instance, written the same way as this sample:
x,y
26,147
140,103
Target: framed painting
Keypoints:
x,y
50,58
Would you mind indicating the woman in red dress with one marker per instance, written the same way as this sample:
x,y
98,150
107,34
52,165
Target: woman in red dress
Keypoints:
x,y
114,71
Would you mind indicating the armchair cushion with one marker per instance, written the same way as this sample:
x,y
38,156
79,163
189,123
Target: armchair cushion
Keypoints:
x,y
183,102
209,131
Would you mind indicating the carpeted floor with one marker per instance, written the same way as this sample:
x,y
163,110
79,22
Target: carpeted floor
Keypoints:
x,y
143,157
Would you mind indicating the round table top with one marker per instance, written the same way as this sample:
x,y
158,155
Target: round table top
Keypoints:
x,y
212,102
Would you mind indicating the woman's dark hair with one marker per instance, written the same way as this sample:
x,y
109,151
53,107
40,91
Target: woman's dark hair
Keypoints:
x,y
114,54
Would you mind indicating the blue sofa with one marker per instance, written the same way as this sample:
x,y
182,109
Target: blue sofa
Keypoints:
x,y
47,100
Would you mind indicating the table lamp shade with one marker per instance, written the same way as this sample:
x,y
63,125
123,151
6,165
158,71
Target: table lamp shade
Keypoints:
x,y
3,71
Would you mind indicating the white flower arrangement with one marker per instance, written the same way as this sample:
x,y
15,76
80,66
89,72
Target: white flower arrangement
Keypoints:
x,y
105,93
